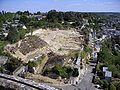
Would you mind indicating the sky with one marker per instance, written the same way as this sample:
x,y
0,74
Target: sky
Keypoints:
x,y
60,5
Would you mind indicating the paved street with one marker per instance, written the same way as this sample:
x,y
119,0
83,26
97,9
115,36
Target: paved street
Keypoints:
x,y
85,83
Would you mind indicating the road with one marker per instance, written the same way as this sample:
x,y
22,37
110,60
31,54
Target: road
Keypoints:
x,y
85,83
27,82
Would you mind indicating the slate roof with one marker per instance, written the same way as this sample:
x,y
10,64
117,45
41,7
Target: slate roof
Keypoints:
x,y
108,74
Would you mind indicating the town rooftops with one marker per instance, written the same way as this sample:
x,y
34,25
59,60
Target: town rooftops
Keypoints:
x,y
105,69
108,74
78,61
94,54
111,29
97,46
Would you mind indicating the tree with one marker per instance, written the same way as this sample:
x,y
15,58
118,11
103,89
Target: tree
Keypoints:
x,y
105,83
112,87
31,64
83,54
59,70
65,72
13,35
98,67
22,33
75,72
26,13
7,16
52,16
69,72
38,13
1,69
24,19
88,49
12,64
85,31
118,86
60,16
107,57
2,45
19,12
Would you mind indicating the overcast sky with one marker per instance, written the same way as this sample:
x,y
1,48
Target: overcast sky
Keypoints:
x,y
61,5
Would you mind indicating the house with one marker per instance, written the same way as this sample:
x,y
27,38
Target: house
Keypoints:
x,y
14,25
37,17
103,37
117,47
111,32
24,27
71,22
16,21
105,69
97,47
5,34
77,62
94,55
5,27
107,74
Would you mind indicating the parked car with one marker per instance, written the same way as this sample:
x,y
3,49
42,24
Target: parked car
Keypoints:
x,y
97,86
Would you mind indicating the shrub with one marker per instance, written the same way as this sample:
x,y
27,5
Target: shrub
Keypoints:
x,y
12,64
112,87
65,72
75,72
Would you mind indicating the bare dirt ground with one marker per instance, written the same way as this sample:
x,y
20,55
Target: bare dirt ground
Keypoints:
x,y
41,78
27,48
59,42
